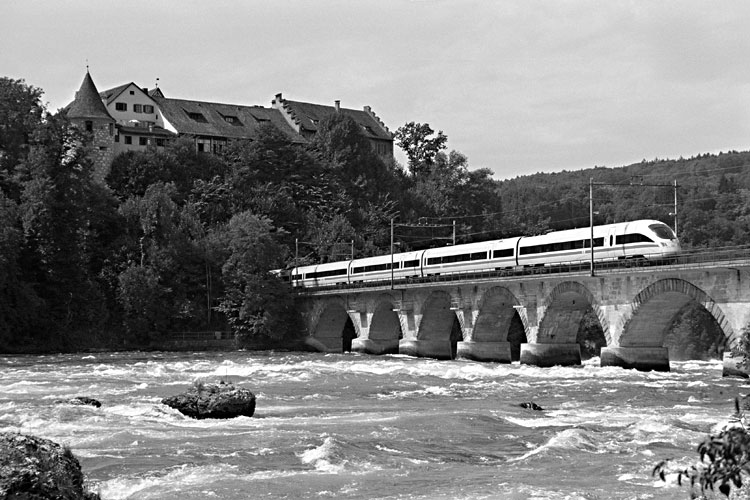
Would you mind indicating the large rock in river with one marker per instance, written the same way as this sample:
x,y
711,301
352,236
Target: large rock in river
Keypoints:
x,y
37,469
213,401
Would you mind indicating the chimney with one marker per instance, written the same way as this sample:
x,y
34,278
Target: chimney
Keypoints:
x,y
145,90
337,105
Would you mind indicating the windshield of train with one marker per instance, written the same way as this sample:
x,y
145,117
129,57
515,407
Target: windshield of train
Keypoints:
x,y
662,231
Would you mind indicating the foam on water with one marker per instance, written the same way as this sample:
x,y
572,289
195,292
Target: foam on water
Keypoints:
x,y
153,485
369,426
567,440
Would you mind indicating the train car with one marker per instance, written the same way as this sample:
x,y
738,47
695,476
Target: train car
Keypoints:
x,y
405,265
643,239
471,257
648,240
331,273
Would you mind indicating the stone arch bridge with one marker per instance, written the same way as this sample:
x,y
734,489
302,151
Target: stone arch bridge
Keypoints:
x,y
473,318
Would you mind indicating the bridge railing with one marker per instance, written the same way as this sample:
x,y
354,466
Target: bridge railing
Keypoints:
x,y
689,258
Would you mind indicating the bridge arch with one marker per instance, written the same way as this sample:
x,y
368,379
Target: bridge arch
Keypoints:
x,y
654,307
563,310
385,323
330,322
437,317
496,312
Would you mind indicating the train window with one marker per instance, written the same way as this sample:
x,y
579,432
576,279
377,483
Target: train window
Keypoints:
x,y
297,277
598,242
479,256
373,268
326,274
505,252
632,238
662,231
411,263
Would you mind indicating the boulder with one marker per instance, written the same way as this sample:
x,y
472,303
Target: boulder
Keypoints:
x,y
83,400
220,400
36,468
531,406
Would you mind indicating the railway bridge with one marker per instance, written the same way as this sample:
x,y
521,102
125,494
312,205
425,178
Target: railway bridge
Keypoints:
x,y
483,316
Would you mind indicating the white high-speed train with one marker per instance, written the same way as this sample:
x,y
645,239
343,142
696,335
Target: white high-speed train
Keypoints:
x,y
641,239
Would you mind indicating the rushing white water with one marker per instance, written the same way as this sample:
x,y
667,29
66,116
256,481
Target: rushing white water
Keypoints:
x,y
351,426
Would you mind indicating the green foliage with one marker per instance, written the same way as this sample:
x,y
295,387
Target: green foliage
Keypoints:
x,y
416,140
21,114
257,304
713,198
141,297
352,161
724,461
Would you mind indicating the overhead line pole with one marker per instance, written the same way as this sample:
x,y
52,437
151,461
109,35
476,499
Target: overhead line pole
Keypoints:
x,y
591,221
630,184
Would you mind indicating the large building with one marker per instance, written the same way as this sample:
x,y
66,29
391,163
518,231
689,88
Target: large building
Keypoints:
x,y
131,118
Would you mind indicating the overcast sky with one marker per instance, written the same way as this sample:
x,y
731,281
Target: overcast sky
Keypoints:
x,y
517,86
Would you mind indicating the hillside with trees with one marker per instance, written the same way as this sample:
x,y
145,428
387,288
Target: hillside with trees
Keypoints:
x,y
181,240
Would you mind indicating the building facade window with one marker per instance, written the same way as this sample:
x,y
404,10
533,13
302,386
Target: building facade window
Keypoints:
x,y
160,142
111,129
121,106
138,108
89,126
128,139
147,108
143,141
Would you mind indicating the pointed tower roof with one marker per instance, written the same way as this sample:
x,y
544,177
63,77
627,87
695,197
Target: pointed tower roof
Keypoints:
x,y
87,103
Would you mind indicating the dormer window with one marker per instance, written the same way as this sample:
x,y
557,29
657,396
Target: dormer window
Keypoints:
x,y
232,119
198,117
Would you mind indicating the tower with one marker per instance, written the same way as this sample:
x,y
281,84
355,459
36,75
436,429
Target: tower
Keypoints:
x,y
88,113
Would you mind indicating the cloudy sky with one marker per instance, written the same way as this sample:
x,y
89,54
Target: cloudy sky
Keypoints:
x,y
518,86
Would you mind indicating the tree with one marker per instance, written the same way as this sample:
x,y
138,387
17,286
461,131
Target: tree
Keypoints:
x,y
420,147
21,113
141,296
258,306
351,158
57,198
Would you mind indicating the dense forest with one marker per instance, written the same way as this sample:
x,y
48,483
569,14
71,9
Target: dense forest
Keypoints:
x,y
179,240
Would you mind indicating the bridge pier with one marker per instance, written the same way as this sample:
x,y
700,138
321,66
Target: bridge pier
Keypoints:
x,y
438,349
484,351
547,355
640,358
368,346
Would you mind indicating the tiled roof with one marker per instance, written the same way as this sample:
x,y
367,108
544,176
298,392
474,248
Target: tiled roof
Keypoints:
x,y
87,103
221,120
112,93
308,115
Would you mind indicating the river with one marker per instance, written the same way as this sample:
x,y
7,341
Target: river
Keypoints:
x,y
358,426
